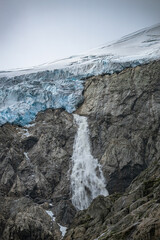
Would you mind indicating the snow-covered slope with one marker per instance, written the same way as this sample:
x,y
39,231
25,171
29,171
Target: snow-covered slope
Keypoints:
x,y
25,92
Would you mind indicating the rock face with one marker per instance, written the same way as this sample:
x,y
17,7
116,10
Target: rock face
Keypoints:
x,y
34,167
22,219
124,111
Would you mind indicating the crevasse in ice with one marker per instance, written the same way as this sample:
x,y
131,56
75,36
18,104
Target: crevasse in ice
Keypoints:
x,y
25,92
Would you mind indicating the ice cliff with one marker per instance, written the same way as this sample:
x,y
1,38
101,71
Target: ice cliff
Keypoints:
x,y
25,92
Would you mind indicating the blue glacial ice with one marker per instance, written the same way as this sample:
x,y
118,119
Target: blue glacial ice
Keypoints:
x,y
22,97
59,84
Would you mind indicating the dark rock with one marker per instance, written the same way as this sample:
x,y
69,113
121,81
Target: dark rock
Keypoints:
x,y
27,221
29,143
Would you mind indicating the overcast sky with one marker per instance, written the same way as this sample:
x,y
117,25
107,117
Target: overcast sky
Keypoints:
x,y
37,31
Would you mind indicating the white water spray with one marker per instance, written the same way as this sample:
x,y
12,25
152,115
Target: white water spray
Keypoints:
x,y
87,181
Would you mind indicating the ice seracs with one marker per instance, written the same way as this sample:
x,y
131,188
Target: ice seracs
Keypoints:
x,y
59,84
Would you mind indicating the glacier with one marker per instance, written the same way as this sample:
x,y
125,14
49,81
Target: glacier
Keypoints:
x,y
60,84
22,97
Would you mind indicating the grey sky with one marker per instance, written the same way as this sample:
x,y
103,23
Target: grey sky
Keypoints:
x,y
37,31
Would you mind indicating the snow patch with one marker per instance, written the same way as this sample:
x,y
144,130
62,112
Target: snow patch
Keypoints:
x,y
23,132
62,228
50,213
26,155
30,125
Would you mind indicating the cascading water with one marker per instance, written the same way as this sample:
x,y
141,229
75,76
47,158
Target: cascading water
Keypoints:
x,y
87,181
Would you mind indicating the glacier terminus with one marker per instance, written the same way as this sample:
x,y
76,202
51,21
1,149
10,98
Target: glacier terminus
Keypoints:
x,y
59,84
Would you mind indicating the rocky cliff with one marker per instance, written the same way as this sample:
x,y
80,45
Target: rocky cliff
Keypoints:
x,y
123,111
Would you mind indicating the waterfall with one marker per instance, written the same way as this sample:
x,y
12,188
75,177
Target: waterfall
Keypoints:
x,y
87,180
